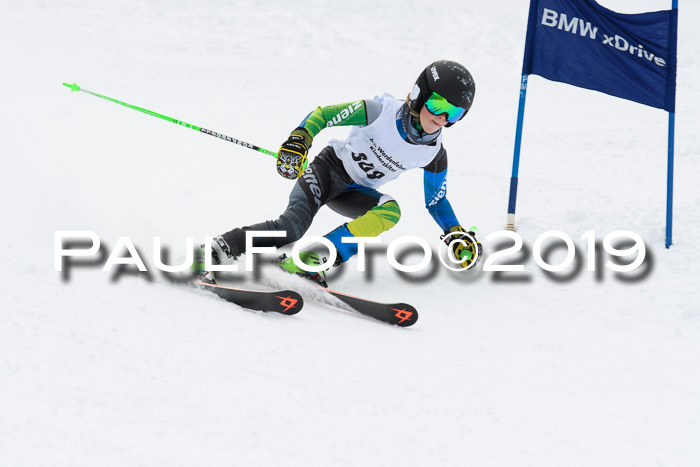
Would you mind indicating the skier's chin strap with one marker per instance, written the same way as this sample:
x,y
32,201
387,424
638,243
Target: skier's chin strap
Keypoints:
x,y
409,128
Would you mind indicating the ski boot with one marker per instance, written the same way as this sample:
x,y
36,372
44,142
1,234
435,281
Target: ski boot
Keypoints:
x,y
220,254
198,269
307,257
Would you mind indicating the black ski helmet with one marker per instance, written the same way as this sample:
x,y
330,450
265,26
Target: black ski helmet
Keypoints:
x,y
447,78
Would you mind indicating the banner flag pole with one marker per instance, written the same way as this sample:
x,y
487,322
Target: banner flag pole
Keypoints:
x,y
669,175
510,222
669,181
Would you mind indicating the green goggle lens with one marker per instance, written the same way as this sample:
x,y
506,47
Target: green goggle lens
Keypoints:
x,y
437,105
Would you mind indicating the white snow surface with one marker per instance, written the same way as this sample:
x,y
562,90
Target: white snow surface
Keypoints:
x,y
591,371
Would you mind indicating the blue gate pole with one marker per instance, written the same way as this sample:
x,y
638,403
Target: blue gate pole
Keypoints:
x,y
669,175
669,181
510,222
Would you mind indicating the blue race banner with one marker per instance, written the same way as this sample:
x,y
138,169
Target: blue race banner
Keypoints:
x,y
578,42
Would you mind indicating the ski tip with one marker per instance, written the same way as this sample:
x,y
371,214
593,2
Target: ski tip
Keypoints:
x,y
286,302
73,87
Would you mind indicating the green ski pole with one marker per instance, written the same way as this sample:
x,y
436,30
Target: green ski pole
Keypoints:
x,y
75,87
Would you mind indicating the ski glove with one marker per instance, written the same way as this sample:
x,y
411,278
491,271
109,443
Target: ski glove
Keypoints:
x,y
292,156
465,249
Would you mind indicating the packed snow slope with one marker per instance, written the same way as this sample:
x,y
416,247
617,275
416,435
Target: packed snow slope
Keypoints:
x,y
576,368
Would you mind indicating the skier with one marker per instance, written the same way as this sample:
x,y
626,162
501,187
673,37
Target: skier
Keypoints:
x,y
389,136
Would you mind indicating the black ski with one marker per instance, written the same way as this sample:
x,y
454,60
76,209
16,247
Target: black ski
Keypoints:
x,y
399,314
286,302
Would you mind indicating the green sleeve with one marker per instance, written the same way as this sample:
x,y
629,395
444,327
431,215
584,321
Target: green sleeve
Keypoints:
x,y
351,113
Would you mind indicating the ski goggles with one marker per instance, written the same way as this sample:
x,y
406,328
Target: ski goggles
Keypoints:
x,y
437,105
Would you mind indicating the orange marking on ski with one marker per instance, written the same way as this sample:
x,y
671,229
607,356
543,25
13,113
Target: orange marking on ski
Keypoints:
x,y
219,286
352,296
287,302
403,315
